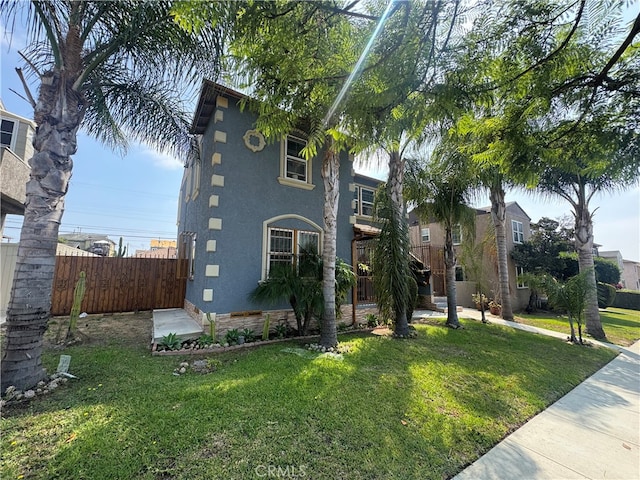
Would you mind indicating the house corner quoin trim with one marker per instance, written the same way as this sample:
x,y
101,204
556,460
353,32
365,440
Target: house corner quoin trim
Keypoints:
x,y
207,295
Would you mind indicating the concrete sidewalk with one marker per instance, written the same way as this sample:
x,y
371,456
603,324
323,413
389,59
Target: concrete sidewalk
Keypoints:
x,y
592,432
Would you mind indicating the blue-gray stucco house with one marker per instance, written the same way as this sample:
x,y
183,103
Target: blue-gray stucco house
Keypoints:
x,y
247,204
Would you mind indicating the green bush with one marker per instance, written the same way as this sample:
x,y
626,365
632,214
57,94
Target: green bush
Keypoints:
x,y
627,299
606,295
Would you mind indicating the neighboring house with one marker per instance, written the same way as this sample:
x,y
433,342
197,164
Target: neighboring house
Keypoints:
x,y
16,136
427,242
159,249
631,275
247,205
90,242
613,256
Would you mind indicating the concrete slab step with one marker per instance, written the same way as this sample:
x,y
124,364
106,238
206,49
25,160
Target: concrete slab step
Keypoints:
x,y
174,320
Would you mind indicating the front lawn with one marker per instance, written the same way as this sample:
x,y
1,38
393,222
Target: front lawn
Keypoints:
x,y
419,408
621,326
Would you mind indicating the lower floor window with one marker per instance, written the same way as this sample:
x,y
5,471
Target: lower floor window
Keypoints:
x,y
187,255
520,283
287,247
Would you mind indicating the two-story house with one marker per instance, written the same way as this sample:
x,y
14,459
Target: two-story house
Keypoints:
x,y
16,148
427,241
248,204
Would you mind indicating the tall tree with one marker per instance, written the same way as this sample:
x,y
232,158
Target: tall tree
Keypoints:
x,y
111,69
295,58
406,64
599,156
558,65
440,190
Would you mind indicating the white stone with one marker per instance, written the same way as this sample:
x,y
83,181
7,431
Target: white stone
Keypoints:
x,y
29,394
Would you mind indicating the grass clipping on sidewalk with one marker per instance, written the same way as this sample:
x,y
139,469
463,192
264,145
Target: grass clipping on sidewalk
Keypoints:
x,y
419,408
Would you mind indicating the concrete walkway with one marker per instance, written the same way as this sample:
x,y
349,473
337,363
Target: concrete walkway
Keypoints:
x,y
592,432
174,320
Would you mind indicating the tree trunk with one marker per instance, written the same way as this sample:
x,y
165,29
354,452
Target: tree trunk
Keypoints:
x,y
450,264
400,287
498,215
584,246
58,114
331,179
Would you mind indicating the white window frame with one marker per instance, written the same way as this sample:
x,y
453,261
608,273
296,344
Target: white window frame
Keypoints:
x,y
270,223
456,229
13,133
517,231
295,239
425,235
284,178
359,203
520,284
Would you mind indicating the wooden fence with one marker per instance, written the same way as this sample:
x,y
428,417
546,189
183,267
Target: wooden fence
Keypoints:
x,y
117,284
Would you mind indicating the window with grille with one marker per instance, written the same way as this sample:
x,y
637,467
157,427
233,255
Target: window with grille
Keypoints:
x,y
288,247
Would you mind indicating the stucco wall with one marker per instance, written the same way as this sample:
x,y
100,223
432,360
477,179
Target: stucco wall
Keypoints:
x,y
239,191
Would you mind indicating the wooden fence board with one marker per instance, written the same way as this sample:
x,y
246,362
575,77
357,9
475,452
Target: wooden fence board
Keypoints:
x,y
117,284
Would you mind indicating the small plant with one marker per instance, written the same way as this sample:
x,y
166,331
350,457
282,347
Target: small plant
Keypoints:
x,y
281,330
212,326
170,341
479,299
232,336
265,328
204,340
342,327
249,335
372,320
494,304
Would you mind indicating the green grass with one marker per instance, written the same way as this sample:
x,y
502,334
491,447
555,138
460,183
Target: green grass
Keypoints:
x,y
420,408
621,326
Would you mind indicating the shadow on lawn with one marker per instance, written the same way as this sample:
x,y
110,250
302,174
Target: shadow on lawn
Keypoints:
x,y
420,408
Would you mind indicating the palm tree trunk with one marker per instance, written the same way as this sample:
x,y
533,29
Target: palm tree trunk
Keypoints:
x,y
400,287
499,215
331,179
450,264
584,246
58,114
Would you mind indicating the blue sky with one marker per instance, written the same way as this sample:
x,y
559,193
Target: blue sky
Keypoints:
x,y
136,196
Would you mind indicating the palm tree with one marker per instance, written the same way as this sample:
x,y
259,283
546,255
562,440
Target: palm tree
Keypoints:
x,y
391,261
570,296
597,156
302,285
440,191
112,69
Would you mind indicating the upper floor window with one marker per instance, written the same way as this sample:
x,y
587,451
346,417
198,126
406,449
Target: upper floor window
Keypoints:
x,y
518,231
363,197
295,170
425,235
456,234
7,133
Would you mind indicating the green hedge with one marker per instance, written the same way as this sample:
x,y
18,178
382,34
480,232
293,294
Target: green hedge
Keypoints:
x,y
627,299
606,295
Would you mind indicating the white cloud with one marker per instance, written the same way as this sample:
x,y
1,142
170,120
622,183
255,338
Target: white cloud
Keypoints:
x,y
160,160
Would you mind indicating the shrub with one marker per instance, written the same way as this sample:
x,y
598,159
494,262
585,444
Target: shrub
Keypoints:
x,y
204,340
249,335
372,320
232,336
606,295
627,299
170,342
